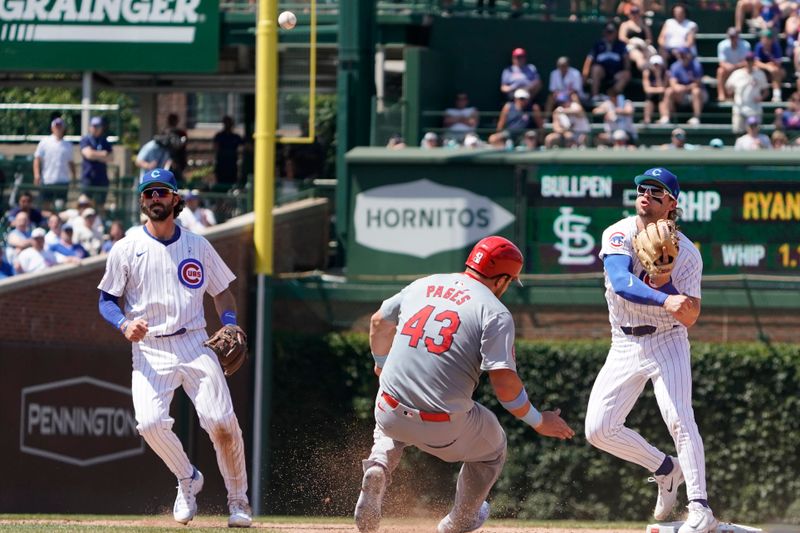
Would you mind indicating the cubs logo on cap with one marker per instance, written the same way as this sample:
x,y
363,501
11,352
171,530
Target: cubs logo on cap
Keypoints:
x,y
662,176
190,273
159,176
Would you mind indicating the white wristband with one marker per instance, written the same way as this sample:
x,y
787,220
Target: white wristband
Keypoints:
x,y
533,417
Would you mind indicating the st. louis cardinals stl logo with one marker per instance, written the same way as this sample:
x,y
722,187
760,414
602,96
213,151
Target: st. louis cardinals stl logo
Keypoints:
x,y
190,273
616,239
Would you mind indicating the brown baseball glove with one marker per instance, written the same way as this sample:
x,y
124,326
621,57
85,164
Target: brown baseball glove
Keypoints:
x,y
230,345
657,248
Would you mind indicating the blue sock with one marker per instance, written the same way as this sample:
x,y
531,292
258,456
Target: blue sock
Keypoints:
x,y
665,468
704,503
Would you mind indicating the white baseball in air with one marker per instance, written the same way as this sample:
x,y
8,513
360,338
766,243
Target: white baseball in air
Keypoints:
x,y
287,20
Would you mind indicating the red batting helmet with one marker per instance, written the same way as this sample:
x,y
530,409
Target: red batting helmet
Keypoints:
x,y
494,256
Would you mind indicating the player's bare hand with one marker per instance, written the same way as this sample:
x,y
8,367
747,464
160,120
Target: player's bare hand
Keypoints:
x,y
554,426
677,304
136,330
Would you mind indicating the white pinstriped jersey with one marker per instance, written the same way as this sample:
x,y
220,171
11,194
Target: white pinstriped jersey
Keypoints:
x,y
450,328
164,282
686,276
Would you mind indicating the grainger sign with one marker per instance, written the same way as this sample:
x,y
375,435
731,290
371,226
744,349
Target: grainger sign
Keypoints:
x,y
110,35
80,421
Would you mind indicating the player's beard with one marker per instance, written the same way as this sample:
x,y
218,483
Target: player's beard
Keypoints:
x,y
157,212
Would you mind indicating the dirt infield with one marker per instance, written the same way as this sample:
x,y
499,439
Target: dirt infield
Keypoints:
x,y
296,525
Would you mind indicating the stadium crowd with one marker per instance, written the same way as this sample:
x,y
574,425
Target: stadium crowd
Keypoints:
x,y
559,111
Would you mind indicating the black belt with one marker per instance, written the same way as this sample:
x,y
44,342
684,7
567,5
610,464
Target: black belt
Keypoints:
x,y
638,331
179,332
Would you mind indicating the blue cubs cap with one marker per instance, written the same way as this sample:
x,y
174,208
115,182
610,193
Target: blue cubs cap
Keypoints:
x,y
158,176
663,176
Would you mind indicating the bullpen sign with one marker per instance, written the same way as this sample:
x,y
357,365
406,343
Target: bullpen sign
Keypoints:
x,y
110,35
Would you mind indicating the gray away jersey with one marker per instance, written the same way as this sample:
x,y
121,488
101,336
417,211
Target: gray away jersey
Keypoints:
x,y
686,276
450,328
165,283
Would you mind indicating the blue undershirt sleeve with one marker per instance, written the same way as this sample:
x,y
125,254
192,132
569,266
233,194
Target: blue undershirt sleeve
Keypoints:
x,y
109,309
628,286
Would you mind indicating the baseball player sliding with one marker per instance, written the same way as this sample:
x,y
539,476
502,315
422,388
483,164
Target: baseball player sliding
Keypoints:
x,y
162,272
649,314
431,341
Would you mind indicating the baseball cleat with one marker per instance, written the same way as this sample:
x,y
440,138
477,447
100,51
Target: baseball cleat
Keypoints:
x,y
185,503
368,507
667,490
240,515
700,520
448,526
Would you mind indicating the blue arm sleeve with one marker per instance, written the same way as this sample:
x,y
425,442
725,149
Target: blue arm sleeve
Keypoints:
x,y
628,286
109,308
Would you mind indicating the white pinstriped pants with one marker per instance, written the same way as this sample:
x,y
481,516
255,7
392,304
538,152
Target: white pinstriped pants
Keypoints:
x,y
664,359
161,365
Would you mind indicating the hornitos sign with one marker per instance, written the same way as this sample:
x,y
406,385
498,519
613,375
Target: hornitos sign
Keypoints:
x,y
80,421
121,35
422,218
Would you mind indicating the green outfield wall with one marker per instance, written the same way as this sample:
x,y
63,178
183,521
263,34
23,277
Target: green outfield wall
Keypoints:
x,y
418,211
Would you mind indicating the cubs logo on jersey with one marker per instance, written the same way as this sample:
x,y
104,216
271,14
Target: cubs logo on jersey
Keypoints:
x,y
617,239
190,273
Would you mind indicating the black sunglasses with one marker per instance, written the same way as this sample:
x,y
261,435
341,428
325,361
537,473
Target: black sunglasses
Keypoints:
x,y
161,192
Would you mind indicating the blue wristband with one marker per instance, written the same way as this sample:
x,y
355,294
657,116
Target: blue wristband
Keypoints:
x,y
380,360
533,417
516,403
228,318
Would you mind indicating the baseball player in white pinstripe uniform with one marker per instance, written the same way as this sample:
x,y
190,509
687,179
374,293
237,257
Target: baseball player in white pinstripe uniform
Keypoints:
x,y
649,341
162,273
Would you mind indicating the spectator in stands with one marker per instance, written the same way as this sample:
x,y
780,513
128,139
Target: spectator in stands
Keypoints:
x,y
563,80
620,141
396,142
518,116
685,87
195,217
18,238
789,118
502,140
638,38
655,82
53,166
6,268
462,118
115,233
96,152
749,87
617,115
731,53
779,140
530,142
677,33
769,17
227,145
472,140
571,126
753,139
745,8
67,251
25,203
87,233
154,154
178,139
607,65
520,75
768,58
430,140
716,143
677,140
625,6
53,235
35,257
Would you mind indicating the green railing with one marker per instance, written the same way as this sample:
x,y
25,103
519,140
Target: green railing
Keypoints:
x,y
31,122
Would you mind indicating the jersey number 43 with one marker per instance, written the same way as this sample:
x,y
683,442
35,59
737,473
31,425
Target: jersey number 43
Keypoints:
x,y
448,322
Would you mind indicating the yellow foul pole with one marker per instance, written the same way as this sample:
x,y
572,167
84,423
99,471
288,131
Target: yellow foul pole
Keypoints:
x,y
264,193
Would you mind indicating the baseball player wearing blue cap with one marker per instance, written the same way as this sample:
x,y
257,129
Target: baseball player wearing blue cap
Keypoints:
x,y
649,342
163,273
